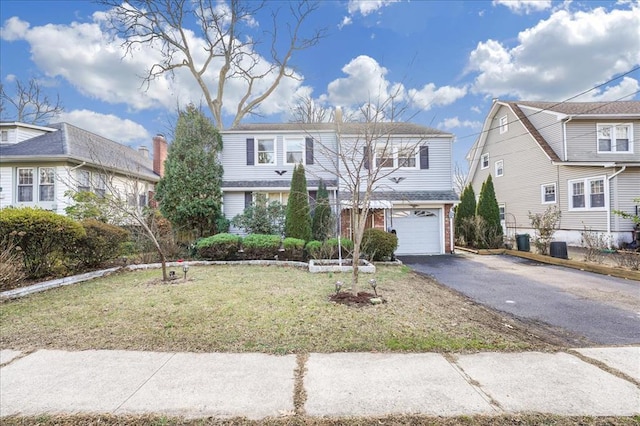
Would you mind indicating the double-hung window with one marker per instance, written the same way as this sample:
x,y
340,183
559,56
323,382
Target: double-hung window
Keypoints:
x,y
388,156
294,151
548,193
499,168
484,160
504,124
25,185
615,138
587,194
47,181
84,180
266,151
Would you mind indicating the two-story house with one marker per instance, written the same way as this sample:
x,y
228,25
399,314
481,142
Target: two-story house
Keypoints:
x,y
39,165
413,193
581,157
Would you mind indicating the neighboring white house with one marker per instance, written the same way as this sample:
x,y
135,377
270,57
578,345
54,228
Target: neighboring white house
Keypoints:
x,y
582,157
39,165
414,198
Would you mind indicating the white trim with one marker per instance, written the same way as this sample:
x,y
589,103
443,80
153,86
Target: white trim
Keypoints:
x,y
613,138
587,194
504,124
499,165
285,151
543,193
256,153
396,159
482,166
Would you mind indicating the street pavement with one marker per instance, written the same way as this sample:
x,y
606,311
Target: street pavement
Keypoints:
x,y
603,310
601,381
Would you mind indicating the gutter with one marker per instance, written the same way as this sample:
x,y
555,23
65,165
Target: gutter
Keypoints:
x,y
609,203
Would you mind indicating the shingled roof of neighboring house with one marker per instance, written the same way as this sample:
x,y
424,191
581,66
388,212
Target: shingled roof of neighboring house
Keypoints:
x,y
586,108
542,142
72,143
347,128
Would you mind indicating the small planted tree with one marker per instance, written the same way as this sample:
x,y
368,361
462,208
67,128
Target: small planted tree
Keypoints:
x,y
298,218
545,225
464,211
488,210
262,217
322,225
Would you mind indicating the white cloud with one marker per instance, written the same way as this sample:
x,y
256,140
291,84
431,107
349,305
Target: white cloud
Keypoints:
x,y
524,6
366,82
10,78
561,56
619,92
107,125
82,54
476,109
430,96
366,7
454,122
345,21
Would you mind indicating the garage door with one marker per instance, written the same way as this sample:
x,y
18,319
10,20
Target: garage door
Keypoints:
x,y
418,231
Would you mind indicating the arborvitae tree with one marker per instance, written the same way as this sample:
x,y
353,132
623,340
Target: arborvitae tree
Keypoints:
x,y
488,210
297,222
465,210
322,219
189,193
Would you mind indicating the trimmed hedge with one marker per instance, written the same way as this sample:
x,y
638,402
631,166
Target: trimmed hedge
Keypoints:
x,y
102,242
293,249
261,246
329,249
219,247
43,237
378,244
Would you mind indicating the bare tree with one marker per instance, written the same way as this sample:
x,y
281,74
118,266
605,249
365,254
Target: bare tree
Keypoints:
x,y
366,156
307,110
228,51
459,179
32,105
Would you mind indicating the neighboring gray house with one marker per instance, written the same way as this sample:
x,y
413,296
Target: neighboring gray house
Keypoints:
x,y
582,157
414,198
39,164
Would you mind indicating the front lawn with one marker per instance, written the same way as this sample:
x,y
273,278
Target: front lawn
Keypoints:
x,y
270,309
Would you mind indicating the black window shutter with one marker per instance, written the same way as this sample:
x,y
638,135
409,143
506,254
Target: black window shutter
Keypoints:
x,y
248,199
424,157
250,151
309,150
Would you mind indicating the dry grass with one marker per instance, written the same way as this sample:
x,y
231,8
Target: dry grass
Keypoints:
x,y
255,309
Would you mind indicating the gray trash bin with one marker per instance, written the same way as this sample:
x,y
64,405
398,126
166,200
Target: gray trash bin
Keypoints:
x,y
522,241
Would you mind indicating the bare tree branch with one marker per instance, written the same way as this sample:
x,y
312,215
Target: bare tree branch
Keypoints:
x,y
228,50
30,102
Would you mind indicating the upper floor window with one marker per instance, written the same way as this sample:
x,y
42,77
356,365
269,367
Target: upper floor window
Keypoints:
x,y
294,151
587,193
5,136
548,193
484,160
615,138
504,124
396,157
27,184
266,151
499,168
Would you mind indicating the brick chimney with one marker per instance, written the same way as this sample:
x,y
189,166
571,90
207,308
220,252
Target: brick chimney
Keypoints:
x,y
159,154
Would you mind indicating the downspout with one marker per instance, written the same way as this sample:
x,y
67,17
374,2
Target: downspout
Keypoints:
x,y
608,193
564,137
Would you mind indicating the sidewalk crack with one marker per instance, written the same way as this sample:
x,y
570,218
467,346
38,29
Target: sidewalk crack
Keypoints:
x,y
144,383
453,361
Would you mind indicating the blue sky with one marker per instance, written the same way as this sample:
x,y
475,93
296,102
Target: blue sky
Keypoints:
x,y
451,59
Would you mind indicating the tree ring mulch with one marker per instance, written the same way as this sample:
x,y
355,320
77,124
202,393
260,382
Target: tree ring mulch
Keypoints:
x,y
361,299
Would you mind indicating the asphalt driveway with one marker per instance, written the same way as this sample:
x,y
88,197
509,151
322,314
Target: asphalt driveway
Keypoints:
x,y
604,310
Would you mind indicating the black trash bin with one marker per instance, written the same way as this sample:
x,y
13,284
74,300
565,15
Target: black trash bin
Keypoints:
x,y
522,241
558,249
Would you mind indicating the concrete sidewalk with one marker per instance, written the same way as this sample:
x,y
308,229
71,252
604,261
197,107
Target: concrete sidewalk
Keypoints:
x,y
593,382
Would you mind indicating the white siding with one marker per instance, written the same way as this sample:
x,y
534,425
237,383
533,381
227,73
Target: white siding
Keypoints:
x,y
627,189
6,182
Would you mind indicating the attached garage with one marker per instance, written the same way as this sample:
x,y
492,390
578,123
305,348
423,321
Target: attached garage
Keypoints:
x,y
418,231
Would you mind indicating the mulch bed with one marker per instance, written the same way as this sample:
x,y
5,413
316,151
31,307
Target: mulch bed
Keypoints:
x,y
361,299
